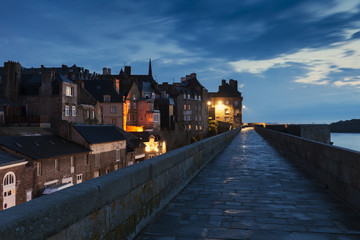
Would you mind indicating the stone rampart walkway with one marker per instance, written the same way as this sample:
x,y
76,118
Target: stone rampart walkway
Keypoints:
x,y
251,192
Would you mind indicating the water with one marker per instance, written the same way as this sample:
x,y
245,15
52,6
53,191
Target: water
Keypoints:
x,y
346,140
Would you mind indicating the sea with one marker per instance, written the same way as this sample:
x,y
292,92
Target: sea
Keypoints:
x,y
346,140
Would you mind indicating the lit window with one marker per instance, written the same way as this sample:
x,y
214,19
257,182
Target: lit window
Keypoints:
x,y
188,96
199,97
200,127
69,91
93,115
67,110
196,127
184,95
9,179
116,167
189,107
227,111
73,112
189,126
113,121
113,109
184,106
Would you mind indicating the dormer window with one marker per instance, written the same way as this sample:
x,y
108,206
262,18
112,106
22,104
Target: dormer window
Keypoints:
x,y
69,91
107,98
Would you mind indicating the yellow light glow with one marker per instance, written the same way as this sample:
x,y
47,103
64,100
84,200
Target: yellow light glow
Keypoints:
x,y
244,106
209,103
220,103
134,128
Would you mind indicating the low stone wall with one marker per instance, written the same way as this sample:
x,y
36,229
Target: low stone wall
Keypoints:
x,y
114,206
336,167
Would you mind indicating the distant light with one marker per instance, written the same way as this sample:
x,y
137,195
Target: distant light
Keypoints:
x,y
244,106
220,102
209,103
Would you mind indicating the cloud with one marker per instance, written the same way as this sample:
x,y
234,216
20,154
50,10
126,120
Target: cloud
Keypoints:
x,y
319,63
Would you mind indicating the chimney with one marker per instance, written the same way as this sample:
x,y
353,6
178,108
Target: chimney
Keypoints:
x,y
128,70
104,71
223,82
46,82
109,71
182,79
11,81
236,85
193,75
187,77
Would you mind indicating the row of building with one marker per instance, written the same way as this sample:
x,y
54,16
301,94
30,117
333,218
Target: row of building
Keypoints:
x,y
100,123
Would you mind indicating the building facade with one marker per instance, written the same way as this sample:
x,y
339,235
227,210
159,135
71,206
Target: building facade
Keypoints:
x,y
226,104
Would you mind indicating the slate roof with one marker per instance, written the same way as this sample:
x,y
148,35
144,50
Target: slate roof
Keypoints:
x,y
226,91
40,147
99,88
9,159
30,83
94,134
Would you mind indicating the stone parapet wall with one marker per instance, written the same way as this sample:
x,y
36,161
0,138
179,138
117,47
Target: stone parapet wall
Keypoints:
x,y
114,206
336,167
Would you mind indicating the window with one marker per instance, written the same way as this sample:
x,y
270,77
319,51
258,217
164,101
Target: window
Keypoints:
x,y
28,195
189,107
227,119
9,179
86,159
227,102
113,121
113,109
72,164
67,110
200,127
107,170
79,178
184,96
107,98
96,173
236,104
69,91
73,111
57,167
134,105
156,118
184,117
150,118
188,96
196,127
227,112
195,119
184,106
199,117
92,114
134,97
38,168
116,166
117,155
189,126
188,117
87,114
199,97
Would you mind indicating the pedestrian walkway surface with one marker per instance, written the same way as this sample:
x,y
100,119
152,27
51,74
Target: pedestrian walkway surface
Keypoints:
x,y
250,191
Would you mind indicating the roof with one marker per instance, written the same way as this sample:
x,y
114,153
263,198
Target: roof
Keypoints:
x,y
40,147
9,159
94,134
226,91
99,88
31,83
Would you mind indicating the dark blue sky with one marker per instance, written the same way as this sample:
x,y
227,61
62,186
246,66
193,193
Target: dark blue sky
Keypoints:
x,y
296,61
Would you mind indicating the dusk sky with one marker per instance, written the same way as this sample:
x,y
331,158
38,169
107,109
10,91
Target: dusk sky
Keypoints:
x,y
295,61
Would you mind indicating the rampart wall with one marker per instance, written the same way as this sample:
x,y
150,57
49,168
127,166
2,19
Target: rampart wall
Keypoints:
x,y
336,167
117,205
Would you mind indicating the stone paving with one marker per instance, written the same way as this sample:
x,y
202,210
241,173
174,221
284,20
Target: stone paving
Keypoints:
x,y
251,192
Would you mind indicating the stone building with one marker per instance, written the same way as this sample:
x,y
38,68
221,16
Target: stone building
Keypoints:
x,y
226,104
15,187
53,163
190,97
46,94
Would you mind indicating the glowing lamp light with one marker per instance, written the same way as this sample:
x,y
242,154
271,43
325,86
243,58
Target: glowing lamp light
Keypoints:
x,y
209,103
